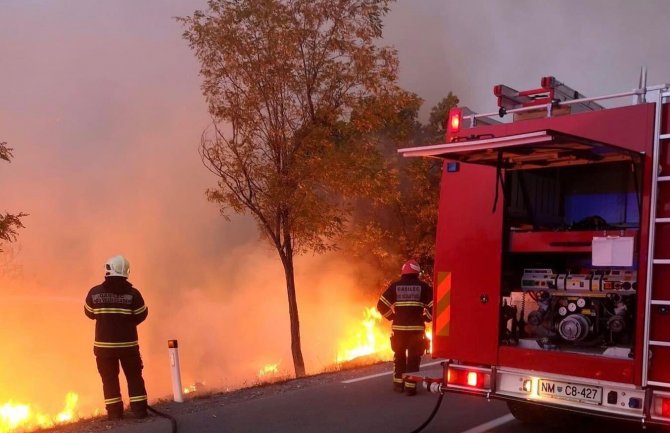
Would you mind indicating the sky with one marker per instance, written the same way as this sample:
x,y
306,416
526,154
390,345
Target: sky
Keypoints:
x,y
594,46
101,102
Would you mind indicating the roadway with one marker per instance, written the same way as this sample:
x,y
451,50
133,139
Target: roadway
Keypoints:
x,y
362,403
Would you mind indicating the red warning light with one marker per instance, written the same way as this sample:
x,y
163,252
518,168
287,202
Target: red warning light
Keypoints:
x,y
454,123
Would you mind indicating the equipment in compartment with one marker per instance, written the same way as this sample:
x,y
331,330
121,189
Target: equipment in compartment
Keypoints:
x,y
595,281
590,309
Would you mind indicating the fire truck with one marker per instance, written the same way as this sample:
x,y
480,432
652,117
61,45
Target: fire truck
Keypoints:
x,y
552,261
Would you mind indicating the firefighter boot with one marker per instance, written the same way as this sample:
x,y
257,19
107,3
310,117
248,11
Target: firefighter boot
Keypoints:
x,y
410,387
114,411
398,384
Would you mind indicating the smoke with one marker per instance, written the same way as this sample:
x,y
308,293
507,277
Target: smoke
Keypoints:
x,y
594,46
101,103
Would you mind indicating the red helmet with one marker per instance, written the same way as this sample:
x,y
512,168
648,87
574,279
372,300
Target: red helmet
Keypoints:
x,y
410,267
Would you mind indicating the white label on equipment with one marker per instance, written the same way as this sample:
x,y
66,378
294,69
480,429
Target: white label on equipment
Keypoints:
x,y
612,251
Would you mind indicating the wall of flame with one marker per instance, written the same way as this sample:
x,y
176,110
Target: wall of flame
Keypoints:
x,y
101,103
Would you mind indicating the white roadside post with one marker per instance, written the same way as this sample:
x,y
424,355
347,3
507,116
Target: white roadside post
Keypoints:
x,y
176,374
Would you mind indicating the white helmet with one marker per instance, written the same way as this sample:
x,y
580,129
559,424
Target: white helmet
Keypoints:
x,y
117,266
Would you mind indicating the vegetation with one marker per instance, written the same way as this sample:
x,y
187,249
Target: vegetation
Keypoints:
x,y
9,223
298,91
401,224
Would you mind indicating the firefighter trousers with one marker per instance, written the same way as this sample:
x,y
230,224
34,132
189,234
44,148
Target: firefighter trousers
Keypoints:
x,y
108,367
407,346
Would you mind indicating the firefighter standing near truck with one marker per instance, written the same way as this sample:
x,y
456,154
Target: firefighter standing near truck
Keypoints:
x,y
117,308
407,303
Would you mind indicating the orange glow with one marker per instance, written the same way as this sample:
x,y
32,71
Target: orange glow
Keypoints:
x,y
366,339
20,417
472,378
429,336
268,370
95,191
68,413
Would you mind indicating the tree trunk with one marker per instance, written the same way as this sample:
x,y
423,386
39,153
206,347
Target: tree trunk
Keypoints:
x,y
296,351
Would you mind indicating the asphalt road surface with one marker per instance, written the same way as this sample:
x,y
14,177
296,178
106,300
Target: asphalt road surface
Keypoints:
x,y
364,404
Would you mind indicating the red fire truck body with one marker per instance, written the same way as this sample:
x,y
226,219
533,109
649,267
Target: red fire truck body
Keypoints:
x,y
552,263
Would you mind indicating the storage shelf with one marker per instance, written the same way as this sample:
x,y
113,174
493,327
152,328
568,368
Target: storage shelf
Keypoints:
x,y
559,241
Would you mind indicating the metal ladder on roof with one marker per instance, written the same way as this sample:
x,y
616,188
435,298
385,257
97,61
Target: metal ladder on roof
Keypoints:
x,y
551,91
654,302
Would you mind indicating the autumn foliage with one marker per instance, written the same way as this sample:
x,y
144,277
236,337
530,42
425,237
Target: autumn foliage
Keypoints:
x,y
297,90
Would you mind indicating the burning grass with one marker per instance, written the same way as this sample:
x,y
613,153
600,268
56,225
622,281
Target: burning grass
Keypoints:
x,y
364,341
19,417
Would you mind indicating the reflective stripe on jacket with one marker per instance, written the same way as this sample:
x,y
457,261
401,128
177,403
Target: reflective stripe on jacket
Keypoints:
x,y
117,308
408,303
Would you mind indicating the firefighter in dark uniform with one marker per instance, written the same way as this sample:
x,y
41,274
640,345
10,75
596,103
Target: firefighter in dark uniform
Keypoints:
x,y
117,308
408,303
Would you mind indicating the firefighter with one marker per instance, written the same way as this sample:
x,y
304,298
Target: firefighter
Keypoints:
x,y
117,308
408,303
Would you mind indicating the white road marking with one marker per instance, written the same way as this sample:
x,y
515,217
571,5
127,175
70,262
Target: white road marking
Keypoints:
x,y
372,376
491,424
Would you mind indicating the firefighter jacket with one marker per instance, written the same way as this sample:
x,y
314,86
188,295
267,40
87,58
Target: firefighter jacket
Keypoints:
x,y
408,302
117,308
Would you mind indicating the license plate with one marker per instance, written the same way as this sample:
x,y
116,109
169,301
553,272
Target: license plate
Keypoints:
x,y
571,391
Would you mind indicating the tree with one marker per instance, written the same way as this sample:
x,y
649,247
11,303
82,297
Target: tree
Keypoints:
x,y
402,223
9,223
288,84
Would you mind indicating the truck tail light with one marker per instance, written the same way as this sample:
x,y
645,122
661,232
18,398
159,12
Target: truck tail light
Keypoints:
x,y
472,378
468,378
662,406
454,123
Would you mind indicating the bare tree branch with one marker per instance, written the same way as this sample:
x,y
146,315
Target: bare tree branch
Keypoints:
x,y
9,223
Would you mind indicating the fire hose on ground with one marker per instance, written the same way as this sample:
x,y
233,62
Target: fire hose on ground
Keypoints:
x,y
433,385
172,419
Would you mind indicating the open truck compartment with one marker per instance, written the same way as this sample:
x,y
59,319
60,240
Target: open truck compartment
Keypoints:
x,y
569,277
552,266
570,222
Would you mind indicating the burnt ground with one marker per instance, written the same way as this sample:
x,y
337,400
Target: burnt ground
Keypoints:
x,y
197,402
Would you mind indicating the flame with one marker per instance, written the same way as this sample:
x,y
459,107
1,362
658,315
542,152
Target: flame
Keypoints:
x,y
195,387
368,339
429,336
68,414
19,416
13,415
268,369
